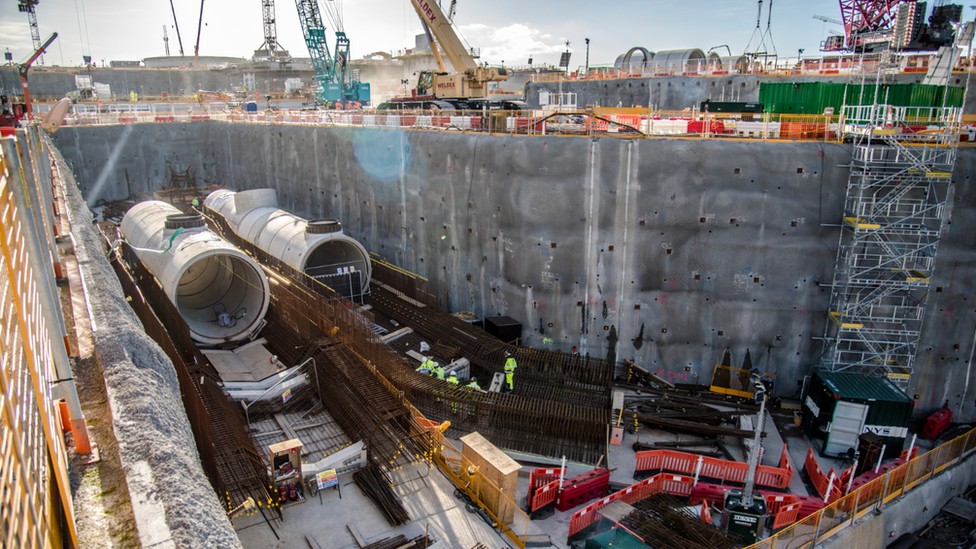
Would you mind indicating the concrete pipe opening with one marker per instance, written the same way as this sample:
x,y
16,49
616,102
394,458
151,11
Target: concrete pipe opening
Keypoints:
x,y
219,296
220,292
338,262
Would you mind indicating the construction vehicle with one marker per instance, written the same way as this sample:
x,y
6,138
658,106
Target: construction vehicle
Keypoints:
x,y
335,81
470,80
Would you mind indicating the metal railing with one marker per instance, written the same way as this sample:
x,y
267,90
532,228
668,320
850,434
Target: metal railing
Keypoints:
x,y
840,514
36,508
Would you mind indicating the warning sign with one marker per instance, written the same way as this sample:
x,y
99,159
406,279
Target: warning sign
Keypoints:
x,y
326,479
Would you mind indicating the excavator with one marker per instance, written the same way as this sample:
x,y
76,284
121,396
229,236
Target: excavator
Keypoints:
x,y
469,81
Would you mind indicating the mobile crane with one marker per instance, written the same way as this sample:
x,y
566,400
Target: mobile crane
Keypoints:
x,y
335,83
470,79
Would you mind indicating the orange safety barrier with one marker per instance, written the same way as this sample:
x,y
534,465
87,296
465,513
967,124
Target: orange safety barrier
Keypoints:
x,y
787,515
706,514
544,495
673,484
822,482
729,471
775,503
541,477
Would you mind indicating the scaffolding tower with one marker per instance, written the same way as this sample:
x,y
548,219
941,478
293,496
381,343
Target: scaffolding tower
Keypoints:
x,y
894,212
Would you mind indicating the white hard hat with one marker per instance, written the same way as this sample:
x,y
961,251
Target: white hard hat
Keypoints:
x,y
474,379
452,374
437,364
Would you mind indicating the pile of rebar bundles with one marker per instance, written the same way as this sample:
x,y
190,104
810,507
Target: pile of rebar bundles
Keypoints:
x,y
663,523
375,484
687,410
401,541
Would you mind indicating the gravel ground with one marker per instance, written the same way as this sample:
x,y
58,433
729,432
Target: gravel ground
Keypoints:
x,y
151,461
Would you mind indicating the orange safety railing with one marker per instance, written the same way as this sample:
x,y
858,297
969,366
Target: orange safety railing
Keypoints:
x,y
822,481
730,471
841,512
544,495
673,484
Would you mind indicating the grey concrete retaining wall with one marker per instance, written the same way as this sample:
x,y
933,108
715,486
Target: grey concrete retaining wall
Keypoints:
x,y
571,236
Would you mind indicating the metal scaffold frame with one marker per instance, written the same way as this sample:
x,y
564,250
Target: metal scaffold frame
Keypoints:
x,y
894,212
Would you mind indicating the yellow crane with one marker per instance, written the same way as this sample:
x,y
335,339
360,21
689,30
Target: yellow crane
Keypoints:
x,y
469,79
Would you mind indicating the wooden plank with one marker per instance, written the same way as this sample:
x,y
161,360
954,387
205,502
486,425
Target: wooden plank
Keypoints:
x,y
962,509
355,535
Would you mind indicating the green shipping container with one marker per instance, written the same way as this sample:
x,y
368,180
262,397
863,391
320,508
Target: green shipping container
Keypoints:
x,y
839,407
815,97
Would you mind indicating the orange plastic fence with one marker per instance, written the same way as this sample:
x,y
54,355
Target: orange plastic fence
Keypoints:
x,y
544,495
730,471
787,515
822,482
673,484
774,504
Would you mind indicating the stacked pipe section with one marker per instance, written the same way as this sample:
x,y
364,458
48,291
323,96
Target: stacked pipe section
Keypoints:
x,y
221,292
316,247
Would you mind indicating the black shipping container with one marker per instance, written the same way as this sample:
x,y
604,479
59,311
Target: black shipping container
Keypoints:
x,y
504,328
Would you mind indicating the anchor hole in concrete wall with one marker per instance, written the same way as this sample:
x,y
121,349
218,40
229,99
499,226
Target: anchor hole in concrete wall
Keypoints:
x,y
553,244
702,220
641,222
721,332
737,171
779,338
938,289
697,276
732,221
664,330
636,307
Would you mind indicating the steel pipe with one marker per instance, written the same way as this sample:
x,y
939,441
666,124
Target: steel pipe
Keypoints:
x,y
221,292
316,247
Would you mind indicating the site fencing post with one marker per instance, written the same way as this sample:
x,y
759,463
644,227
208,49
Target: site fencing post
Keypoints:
x,y
884,491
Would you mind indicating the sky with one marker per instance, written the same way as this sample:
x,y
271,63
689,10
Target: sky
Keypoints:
x,y
506,31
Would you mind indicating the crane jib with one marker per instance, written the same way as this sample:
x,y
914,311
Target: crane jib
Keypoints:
x,y
424,7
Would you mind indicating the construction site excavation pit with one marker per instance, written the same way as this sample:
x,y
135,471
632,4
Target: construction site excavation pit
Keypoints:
x,y
221,292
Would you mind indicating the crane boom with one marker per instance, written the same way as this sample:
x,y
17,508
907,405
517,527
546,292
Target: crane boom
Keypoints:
x,y
470,79
330,72
432,15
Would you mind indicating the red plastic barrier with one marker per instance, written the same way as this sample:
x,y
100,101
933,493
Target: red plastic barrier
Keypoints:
x,y
583,488
698,126
908,455
936,423
165,118
199,117
709,494
127,119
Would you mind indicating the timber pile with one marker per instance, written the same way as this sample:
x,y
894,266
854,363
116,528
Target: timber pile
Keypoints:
x,y
663,522
401,541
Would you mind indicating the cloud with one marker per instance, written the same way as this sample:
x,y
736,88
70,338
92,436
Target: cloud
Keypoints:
x,y
513,44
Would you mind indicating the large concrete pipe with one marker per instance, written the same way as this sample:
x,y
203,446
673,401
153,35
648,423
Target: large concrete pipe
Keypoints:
x,y
316,247
221,292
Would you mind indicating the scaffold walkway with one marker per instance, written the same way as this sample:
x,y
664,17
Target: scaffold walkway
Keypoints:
x,y
894,212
